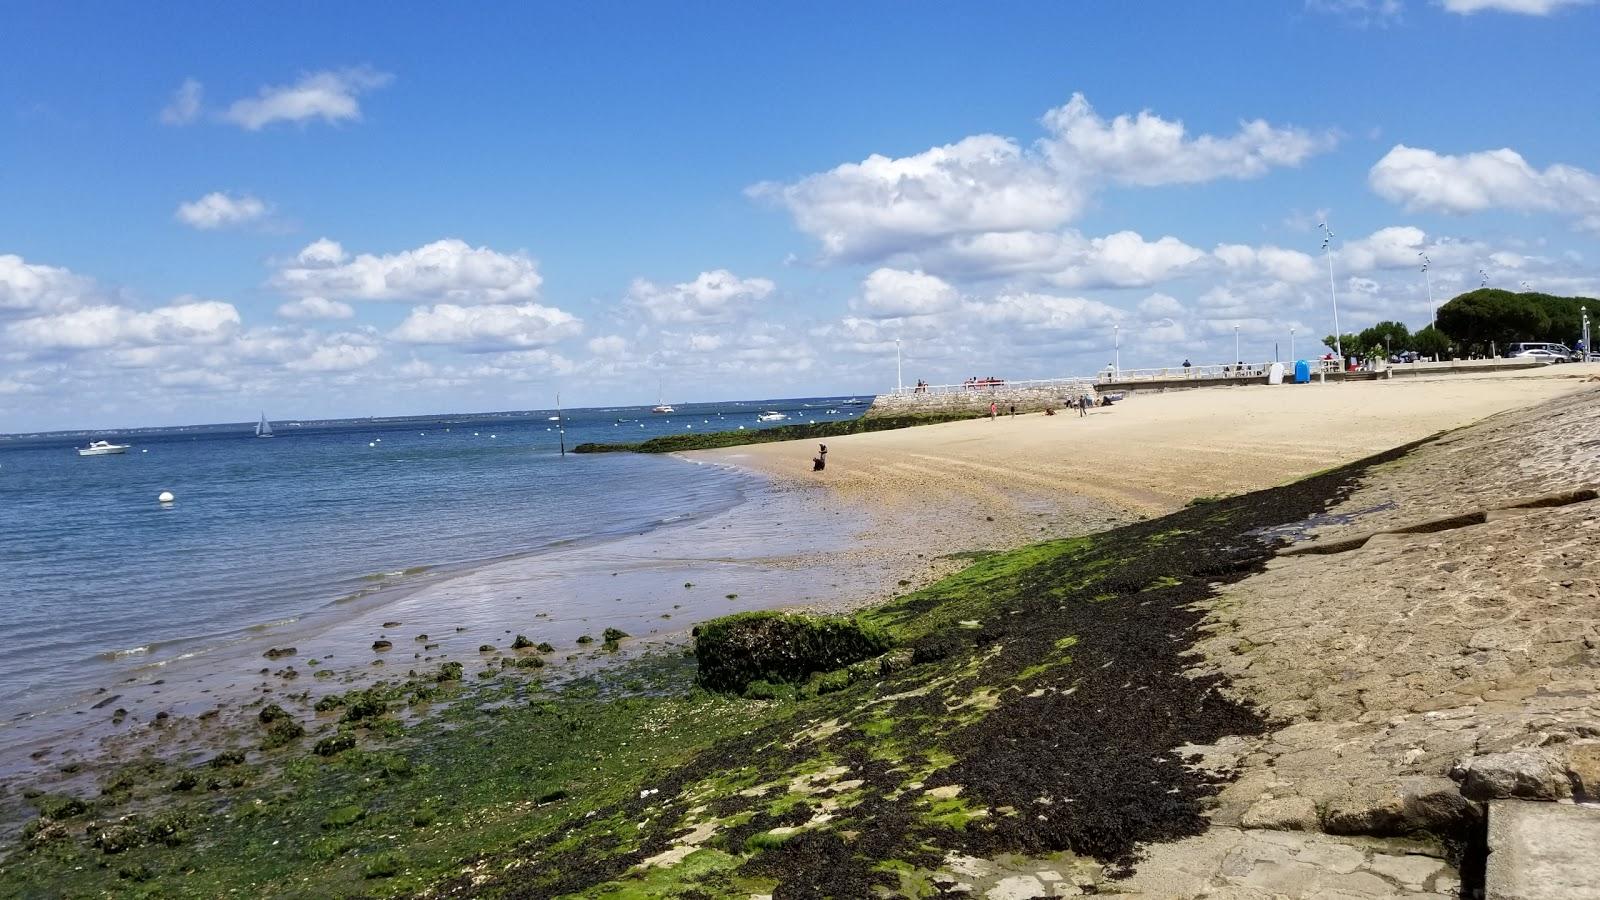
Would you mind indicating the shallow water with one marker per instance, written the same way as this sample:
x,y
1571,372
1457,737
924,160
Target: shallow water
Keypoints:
x,y
315,527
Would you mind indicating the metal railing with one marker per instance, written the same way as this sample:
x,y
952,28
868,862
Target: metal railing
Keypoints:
x,y
1202,373
994,386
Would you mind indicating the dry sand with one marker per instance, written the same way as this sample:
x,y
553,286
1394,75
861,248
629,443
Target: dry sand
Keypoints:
x,y
978,484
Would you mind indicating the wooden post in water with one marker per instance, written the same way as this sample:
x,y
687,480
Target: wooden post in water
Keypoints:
x,y
561,425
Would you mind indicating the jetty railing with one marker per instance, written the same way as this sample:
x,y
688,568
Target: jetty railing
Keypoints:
x,y
995,385
1107,376
1203,373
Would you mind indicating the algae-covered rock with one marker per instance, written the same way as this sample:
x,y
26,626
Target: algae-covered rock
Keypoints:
x,y
521,643
334,744
735,650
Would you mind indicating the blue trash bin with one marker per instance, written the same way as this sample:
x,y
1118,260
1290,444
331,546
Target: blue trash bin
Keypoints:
x,y
1302,372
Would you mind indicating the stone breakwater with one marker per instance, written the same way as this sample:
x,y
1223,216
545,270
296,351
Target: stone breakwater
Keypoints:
x,y
1031,398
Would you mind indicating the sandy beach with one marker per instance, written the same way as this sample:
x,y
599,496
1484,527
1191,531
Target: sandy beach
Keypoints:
x,y
960,486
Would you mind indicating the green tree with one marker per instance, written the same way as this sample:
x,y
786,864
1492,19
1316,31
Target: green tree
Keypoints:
x,y
1349,343
1385,338
1488,317
1432,342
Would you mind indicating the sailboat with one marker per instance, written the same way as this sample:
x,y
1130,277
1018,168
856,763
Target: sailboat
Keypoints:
x,y
263,427
661,405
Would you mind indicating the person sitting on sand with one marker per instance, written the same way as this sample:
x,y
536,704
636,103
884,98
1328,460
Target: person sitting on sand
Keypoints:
x,y
820,461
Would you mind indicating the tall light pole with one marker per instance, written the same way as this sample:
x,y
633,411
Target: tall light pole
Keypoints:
x,y
1584,311
1483,278
1236,357
1327,248
899,383
1116,347
1291,345
1433,314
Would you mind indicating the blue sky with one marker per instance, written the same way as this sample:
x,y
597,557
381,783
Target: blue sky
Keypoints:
x,y
366,209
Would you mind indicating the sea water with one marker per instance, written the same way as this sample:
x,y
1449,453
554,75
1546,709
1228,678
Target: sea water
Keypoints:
x,y
95,573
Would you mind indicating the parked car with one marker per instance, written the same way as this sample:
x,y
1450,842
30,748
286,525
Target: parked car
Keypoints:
x,y
1540,354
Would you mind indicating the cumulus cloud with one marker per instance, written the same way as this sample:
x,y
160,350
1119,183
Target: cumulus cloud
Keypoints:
x,y
989,195
94,327
1042,311
447,270
28,288
1065,258
328,95
487,328
1422,179
893,293
1521,7
185,104
335,356
1148,150
713,296
220,210
610,346
980,183
1268,261
307,308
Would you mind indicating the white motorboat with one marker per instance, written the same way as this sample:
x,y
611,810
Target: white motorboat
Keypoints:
x,y
771,416
663,408
102,448
263,427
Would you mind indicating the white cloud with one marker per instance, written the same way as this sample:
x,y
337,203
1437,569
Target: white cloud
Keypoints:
x,y
1065,258
1269,261
1159,306
185,104
893,293
1148,150
990,190
35,288
713,296
980,183
487,328
610,346
1042,311
316,308
328,95
335,356
1126,259
220,210
447,270
1521,7
94,327
1421,179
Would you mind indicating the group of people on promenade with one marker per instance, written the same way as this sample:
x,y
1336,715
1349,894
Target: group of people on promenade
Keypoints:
x,y
974,383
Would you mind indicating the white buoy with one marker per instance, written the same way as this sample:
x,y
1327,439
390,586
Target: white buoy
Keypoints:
x,y
371,444
144,451
494,435
165,497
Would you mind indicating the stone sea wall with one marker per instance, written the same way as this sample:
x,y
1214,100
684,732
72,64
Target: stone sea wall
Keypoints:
x,y
977,400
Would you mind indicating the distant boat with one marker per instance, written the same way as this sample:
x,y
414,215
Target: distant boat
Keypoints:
x,y
102,448
661,405
263,427
553,419
771,416
854,402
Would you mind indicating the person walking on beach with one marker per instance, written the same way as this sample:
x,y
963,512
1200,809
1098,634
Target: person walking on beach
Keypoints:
x,y
1013,410
1083,406
994,411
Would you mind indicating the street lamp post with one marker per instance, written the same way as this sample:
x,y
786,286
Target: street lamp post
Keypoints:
x,y
1433,314
1291,345
1584,312
899,383
1327,248
1116,347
